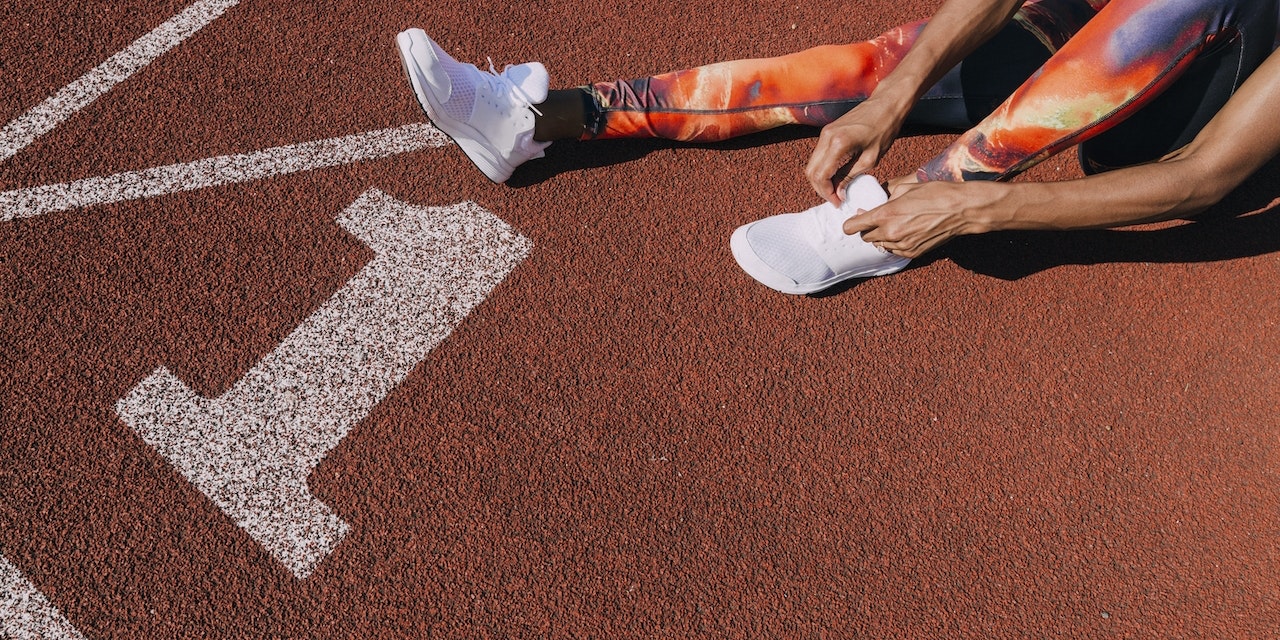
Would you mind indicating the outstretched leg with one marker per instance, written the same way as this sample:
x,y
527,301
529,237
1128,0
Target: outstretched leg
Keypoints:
x,y
728,99
503,119
811,87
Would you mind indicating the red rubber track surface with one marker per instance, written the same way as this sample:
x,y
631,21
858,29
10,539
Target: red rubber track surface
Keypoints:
x,y
1024,435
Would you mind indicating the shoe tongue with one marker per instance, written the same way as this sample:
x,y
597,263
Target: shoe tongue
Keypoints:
x,y
531,78
827,220
863,193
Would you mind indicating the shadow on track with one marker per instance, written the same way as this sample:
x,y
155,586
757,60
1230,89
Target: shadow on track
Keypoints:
x,y
1246,223
571,155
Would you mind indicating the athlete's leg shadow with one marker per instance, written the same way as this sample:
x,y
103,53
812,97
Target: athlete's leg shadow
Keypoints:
x,y
568,156
1246,223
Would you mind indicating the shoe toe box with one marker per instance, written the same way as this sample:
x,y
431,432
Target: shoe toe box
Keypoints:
x,y
775,253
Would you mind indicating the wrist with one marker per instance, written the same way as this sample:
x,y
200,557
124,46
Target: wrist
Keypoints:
x,y
1001,209
899,93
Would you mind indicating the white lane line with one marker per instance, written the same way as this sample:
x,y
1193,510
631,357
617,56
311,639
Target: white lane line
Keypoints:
x,y
25,613
211,172
251,449
79,94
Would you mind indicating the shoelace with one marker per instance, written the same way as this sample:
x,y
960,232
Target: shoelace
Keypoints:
x,y
498,81
830,222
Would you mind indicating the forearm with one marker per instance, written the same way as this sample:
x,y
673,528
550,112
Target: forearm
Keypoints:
x,y
1235,143
921,216
854,143
958,27
1147,193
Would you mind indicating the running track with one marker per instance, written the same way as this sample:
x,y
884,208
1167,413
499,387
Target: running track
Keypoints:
x,y
278,362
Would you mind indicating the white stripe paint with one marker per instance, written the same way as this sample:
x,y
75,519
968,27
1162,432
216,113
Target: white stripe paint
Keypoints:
x,y
251,449
211,172
25,614
79,94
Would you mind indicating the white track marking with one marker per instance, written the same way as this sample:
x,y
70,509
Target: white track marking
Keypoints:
x,y
79,94
251,449
158,181
26,613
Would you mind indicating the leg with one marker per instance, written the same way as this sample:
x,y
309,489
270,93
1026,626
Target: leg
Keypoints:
x,y
809,251
1173,118
811,87
492,115
1118,64
728,99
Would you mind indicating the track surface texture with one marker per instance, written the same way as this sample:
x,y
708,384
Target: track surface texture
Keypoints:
x,y
1025,435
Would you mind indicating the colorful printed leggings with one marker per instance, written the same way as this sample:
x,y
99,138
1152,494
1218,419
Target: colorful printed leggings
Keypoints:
x,y
1128,80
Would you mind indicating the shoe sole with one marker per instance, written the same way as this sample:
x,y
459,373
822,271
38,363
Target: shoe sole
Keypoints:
x,y
415,41
767,276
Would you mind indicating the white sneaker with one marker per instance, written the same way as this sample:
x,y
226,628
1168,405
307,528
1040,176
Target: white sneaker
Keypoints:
x,y
807,252
489,115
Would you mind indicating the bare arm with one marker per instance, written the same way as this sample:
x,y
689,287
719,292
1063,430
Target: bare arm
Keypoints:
x,y
863,135
1237,142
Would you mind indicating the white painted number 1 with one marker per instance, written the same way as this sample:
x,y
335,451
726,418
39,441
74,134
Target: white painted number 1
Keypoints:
x,y
25,613
251,449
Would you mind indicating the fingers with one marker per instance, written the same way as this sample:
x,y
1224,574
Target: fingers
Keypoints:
x,y
877,228
861,222
867,161
863,163
902,185
823,164
838,157
830,180
872,225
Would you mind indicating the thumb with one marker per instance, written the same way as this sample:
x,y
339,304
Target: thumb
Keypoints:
x,y
860,222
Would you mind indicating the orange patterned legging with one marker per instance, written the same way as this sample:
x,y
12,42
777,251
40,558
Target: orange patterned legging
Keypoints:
x,y
1131,79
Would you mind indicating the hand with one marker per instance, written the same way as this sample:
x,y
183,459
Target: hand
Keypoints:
x,y
852,145
922,216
